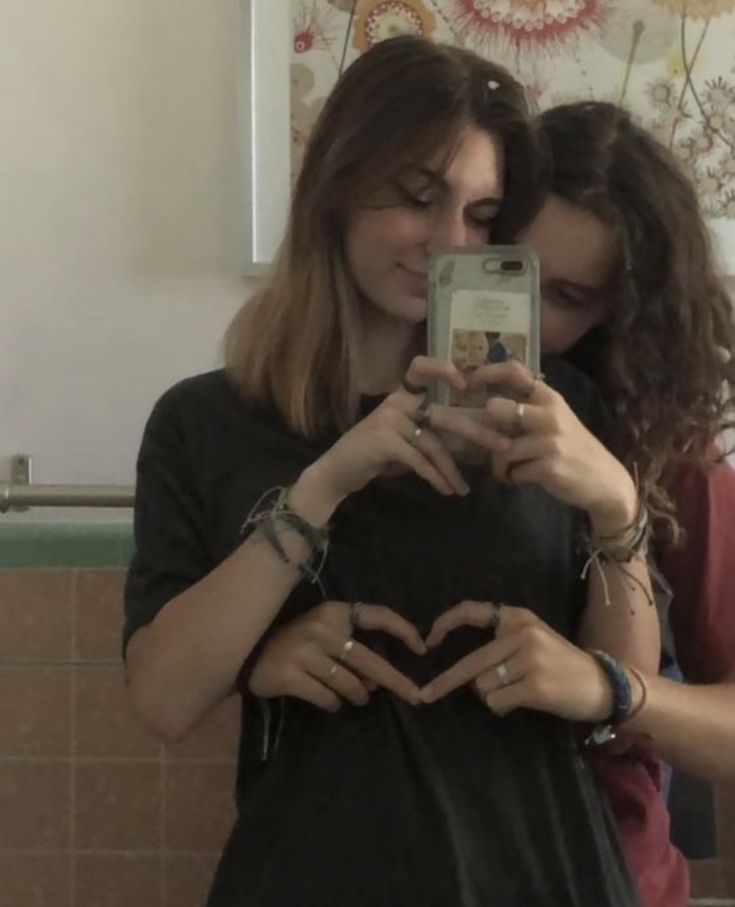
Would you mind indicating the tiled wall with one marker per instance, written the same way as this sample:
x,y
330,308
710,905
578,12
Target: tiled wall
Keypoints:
x,y
93,811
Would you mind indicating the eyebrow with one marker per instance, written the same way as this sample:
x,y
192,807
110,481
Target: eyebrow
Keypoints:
x,y
437,178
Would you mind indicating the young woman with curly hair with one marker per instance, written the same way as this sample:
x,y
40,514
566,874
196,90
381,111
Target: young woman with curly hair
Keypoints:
x,y
632,296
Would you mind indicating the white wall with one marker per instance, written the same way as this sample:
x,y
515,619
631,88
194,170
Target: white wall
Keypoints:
x,y
119,224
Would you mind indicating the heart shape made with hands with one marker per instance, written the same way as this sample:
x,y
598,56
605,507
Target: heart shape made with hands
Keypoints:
x,y
458,632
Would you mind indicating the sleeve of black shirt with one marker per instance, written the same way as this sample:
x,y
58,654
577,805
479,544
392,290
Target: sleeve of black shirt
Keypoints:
x,y
170,552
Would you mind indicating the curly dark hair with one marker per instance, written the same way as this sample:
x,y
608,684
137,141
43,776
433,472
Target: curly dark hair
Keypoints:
x,y
665,357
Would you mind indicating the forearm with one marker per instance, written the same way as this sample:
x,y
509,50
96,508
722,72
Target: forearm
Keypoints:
x,y
620,617
691,727
188,659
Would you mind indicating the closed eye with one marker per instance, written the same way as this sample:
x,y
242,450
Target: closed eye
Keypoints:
x,y
570,297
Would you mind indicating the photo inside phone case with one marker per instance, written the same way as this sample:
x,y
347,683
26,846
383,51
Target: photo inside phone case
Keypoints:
x,y
483,309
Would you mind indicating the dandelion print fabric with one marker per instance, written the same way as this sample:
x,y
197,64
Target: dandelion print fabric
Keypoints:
x,y
671,62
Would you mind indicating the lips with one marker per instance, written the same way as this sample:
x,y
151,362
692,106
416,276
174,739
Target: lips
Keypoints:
x,y
418,282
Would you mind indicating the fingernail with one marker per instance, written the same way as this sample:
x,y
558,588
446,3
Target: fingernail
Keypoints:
x,y
464,488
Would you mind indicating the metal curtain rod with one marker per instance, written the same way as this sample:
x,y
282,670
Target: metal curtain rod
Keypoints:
x,y
15,496
20,492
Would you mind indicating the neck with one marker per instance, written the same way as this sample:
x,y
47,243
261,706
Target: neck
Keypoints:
x,y
386,348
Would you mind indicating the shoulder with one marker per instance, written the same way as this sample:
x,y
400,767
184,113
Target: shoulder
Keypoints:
x,y
205,403
197,394
700,572
694,488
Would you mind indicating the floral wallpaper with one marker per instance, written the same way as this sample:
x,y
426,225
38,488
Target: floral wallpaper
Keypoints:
x,y
672,62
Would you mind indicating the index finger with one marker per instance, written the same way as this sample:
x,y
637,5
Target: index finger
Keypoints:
x,y
376,668
378,617
468,668
511,374
469,613
424,369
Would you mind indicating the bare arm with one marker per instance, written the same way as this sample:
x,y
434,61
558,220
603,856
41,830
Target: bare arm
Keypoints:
x,y
174,680
628,626
692,727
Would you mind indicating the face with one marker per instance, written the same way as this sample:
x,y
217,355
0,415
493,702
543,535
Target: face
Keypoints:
x,y
577,252
390,242
469,349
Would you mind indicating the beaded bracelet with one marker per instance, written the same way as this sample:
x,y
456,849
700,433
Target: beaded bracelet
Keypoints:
x,y
622,707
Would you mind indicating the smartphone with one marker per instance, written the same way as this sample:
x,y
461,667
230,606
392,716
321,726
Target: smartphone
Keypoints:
x,y
484,307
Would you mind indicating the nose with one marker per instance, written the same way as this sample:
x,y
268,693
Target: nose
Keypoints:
x,y
449,230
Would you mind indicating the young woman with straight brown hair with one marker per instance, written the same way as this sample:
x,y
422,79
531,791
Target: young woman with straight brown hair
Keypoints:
x,y
410,639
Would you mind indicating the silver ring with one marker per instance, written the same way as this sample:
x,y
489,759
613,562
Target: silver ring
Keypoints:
x,y
538,376
494,618
417,432
502,671
422,418
333,670
355,609
345,653
519,414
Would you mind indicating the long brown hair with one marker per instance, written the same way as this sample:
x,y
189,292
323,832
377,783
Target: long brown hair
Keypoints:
x,y
292,345
665,357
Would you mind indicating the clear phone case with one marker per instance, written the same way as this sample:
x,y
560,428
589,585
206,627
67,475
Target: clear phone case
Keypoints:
x,y
483,308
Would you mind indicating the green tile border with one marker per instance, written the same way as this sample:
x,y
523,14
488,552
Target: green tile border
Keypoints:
x,y
65,545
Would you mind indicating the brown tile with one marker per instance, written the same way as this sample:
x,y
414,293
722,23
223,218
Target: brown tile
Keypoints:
x,y
707,878
104,725
35,712
35,614
188,878
118,880
215,738
199,810
35,880
99,613
118,806
34,805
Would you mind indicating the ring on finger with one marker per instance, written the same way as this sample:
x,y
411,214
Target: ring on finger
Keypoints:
x,y
333,670
520,412
422,418
494,624
412,388
346,649
503,676
415,435
538,376
355,610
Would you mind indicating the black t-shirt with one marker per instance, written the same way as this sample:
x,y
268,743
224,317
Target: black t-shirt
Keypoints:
x,y
437,806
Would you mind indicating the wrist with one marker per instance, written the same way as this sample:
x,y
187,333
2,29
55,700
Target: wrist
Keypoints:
x,y
313,497
603,705
614,515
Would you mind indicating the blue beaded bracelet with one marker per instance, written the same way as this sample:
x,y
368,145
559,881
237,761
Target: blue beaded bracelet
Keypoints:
x,y
622,694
